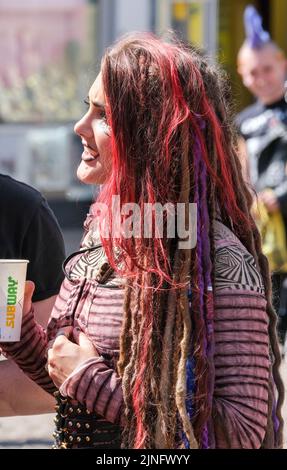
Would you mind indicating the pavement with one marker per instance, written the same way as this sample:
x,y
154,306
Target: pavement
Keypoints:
x,y
35,432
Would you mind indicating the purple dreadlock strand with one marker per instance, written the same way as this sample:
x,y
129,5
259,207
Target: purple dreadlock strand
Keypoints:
x,y
197,160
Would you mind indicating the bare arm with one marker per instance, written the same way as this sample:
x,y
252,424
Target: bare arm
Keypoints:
x,y
19,395
243,157
42,310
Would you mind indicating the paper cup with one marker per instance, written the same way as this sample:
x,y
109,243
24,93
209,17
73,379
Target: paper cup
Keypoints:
x,y
12,285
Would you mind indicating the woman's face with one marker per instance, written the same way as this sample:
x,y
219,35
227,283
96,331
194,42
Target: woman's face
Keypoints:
x,y
95,166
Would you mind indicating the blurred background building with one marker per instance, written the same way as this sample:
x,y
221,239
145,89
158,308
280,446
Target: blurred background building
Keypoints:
x,y
50,52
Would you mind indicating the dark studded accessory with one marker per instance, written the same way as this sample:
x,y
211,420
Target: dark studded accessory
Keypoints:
x,y
76,427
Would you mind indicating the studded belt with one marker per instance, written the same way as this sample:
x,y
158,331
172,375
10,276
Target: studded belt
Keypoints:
x,y
76,427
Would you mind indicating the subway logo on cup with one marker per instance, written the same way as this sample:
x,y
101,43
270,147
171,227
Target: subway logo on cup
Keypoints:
x,y
11,302
12,292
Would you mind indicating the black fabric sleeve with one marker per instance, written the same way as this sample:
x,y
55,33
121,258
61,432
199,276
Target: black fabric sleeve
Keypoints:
x,y
44,246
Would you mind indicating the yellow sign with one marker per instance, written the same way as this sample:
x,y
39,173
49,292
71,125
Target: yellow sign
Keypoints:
x,y
188,18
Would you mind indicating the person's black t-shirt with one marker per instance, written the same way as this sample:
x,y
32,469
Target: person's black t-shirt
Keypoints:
x,y
29,230
264,129
254,119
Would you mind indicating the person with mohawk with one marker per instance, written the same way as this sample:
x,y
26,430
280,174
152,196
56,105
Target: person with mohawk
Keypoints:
x,y
263,146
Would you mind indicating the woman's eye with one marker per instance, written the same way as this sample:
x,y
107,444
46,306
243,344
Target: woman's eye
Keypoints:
x,y
102,115
87,103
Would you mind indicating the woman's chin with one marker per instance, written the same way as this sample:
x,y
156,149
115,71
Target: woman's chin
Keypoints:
x,y
87,174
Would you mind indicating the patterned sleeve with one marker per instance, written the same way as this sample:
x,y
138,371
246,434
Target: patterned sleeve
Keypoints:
x,y
96,385
30,352
241,351
242,371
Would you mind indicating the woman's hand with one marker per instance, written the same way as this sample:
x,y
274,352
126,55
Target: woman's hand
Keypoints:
x,y
64,356
28,294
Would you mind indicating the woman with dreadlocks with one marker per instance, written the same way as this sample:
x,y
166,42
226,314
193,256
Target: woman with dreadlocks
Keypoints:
x,y
165,346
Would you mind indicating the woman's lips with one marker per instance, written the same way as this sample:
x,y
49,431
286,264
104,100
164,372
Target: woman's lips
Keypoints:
x,y
89,156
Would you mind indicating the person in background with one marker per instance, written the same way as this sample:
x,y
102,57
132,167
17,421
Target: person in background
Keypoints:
x,y
152,342
263,138
29,230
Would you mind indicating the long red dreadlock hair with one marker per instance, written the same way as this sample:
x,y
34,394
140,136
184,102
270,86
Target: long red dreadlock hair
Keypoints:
x,y
172,141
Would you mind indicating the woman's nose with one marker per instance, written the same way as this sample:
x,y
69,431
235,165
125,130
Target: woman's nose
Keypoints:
x,y
83,126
